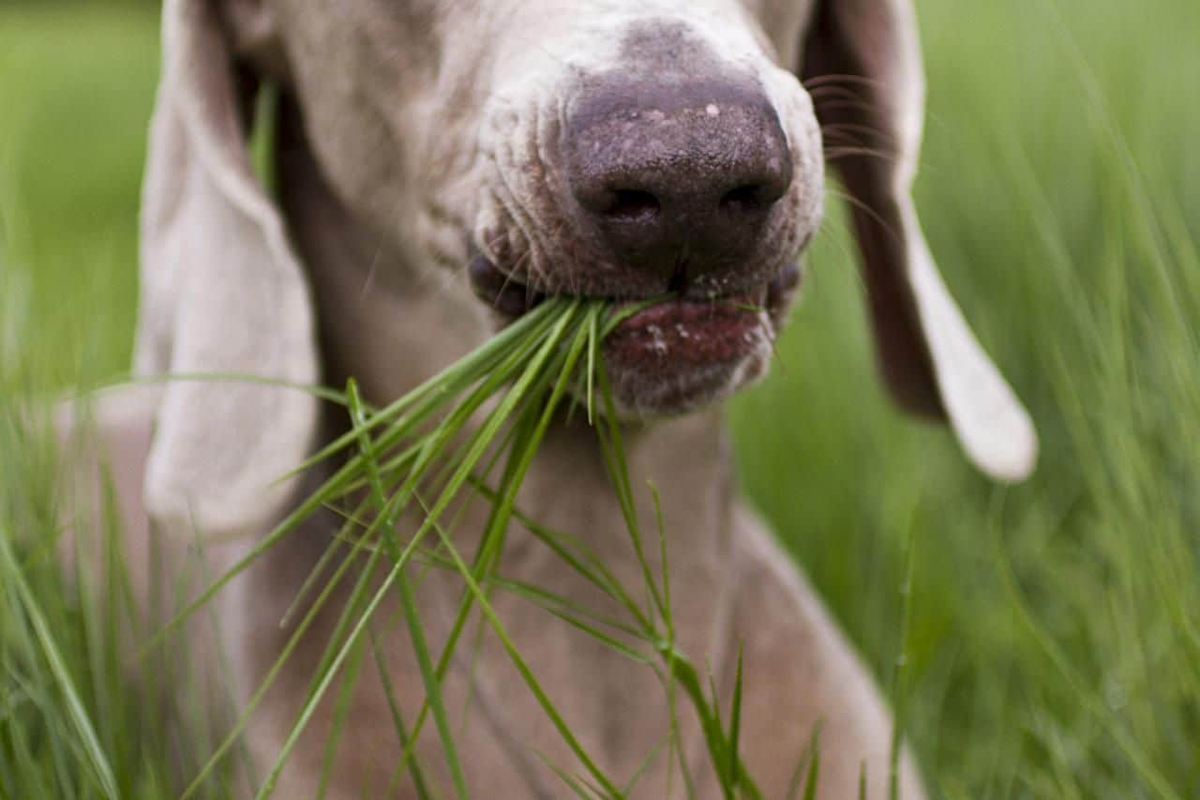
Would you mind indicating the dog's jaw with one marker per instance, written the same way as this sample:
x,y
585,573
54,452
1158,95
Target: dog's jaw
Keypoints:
x,y
716,334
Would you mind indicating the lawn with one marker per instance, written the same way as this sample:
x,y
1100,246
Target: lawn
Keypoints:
x,y
1052,646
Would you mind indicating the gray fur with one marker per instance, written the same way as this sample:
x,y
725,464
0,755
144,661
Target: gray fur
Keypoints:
x,y
414,134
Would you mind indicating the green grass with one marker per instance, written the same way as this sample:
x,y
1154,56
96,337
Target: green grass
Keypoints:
x,y
1052,641
1053,629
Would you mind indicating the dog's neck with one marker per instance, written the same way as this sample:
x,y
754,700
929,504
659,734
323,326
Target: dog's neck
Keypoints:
x,y
392,331
391,327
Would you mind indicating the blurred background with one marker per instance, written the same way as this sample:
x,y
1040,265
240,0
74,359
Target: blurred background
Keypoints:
x,y
1051,645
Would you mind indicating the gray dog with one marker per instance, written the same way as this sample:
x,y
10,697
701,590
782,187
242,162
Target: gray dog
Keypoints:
x,y
442,164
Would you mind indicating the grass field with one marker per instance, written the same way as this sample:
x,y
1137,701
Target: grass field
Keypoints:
x,y
1053,641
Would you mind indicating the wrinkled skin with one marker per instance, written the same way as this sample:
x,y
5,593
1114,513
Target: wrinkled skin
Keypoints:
x,y
439,126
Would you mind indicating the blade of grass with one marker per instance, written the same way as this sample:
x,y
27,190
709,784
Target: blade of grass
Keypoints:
x,y
331,486
811,757
480,441
640,771
340,713
433,692
735,722
522,337
523,668
899,695
614,457
572,783
273,673
593,345
100,768
415,771
524,449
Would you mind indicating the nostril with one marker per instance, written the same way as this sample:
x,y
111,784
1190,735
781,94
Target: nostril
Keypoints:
x,y
743,199
631,204
679,178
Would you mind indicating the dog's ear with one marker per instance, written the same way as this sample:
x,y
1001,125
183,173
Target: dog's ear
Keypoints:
x,y
222,292
862,66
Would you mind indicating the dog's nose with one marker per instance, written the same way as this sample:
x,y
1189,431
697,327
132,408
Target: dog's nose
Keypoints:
x,y
677,179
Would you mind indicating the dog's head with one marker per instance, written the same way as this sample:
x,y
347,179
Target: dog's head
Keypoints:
x,y
626,149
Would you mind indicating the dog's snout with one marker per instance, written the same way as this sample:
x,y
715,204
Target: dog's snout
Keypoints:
x,y
677,179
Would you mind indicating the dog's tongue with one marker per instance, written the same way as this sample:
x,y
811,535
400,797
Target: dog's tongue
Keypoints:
x,y
689,332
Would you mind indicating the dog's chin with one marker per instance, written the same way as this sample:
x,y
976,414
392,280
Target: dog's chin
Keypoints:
x,y
678,354
682,355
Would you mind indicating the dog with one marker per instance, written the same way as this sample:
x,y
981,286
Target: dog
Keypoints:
x,y
440,166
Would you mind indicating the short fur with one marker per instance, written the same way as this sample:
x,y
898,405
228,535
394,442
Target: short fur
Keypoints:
x,y
413,135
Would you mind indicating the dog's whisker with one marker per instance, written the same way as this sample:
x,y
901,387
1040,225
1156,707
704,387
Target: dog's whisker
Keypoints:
x,y
837,153
844,78
369,280
890,228
865,107
849,129
844,93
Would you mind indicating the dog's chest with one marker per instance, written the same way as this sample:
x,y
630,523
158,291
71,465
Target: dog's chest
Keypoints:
x,y
616,708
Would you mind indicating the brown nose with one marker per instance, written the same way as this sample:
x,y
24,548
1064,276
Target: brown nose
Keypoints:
x,y
677,179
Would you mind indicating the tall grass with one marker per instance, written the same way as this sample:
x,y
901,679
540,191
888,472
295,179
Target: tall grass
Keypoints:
x,y
1051,646
421,452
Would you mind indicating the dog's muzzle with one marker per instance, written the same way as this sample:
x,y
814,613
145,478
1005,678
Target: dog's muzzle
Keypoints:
x,y
671,189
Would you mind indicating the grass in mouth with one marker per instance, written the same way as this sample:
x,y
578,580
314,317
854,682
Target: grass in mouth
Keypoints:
x,y
472,430
423,452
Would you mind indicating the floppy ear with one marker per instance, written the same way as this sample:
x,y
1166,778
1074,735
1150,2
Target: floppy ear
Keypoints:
x,y
862,66
222,292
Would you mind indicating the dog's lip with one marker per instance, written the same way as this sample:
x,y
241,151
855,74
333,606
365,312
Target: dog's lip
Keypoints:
x,y
510,297
689,333
677,352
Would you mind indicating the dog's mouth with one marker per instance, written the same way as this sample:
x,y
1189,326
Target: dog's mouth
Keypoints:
x,y
679,352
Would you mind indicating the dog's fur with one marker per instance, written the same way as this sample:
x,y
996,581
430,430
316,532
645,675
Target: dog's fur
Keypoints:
x,y
412,136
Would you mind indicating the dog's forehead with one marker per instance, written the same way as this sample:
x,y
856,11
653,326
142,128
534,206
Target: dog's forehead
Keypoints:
x,y
477,33
663,33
